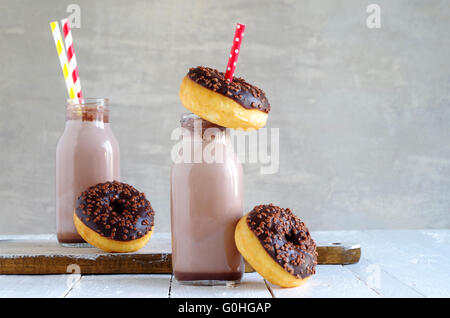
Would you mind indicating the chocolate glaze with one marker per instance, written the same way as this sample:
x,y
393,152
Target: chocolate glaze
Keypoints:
x,y
285,238
245,94
115,210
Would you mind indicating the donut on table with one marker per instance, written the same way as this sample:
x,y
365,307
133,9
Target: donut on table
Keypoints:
x,y
114,217
236,104
277,245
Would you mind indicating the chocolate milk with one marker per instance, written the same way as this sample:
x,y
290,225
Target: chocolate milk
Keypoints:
x,y
87,154
206,204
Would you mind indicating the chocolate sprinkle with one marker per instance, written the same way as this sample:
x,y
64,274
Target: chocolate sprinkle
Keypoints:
x,y
285,237
245,94
115,210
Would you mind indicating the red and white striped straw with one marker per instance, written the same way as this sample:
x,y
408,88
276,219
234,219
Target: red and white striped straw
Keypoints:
x,y
234,53
71,56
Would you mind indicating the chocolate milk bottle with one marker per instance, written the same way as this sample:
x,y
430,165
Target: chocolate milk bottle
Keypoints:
x,y
87,154
206,204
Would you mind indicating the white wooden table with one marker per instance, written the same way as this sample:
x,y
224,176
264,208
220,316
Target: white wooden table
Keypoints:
x,y
394,263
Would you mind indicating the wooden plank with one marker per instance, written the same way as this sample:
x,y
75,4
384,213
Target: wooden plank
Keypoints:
x,y
329,281
43,255
122,286
338,253
418,260
429,242
411,261
46,286
46,244
251,286
382,282
369,269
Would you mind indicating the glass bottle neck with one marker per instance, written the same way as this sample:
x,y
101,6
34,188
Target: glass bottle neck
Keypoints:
x,y
88,110
199,130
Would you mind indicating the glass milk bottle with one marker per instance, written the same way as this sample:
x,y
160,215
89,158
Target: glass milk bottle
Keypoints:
x,y
206,204
87,153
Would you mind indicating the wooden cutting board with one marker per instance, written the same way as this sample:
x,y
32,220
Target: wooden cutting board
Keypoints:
x,y
41,254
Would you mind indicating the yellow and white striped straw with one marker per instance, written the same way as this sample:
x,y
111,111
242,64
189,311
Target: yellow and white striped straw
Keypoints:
x,y
63,59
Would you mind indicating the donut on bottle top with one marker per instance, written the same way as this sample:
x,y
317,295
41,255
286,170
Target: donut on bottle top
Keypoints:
x,y
231,104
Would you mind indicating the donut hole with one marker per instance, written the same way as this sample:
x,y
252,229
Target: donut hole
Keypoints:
x,y
291,238
117,206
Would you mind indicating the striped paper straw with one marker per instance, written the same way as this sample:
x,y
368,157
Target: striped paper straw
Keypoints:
x,y
71,56
234,53
63,59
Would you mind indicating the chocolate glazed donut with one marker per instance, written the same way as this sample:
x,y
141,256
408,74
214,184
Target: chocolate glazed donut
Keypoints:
x,y
231,104
247,95
114,217
277,244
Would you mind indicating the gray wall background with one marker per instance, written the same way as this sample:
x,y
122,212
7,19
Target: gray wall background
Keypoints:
x,y
363,113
